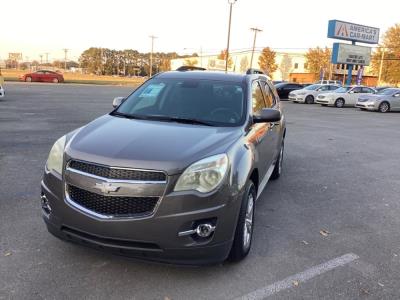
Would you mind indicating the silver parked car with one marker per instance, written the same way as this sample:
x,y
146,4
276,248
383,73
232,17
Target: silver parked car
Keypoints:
x,y
309,93
384,101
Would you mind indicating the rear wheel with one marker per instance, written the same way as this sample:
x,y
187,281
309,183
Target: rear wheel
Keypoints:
x,y
339,103
276,173
384,107
55,80
309,99
244,228
28,79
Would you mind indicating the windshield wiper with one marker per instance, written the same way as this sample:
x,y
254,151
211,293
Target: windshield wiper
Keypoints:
x,y
178,120
128,116
162,118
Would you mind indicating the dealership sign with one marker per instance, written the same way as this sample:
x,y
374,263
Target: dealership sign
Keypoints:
x,y
351,54
353,32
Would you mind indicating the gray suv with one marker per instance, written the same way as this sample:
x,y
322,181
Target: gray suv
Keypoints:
x,y
173,172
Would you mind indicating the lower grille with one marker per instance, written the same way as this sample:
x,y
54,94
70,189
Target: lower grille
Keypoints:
x,y
112,206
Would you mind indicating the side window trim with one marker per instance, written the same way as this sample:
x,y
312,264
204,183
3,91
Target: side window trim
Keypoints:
x,y
257,82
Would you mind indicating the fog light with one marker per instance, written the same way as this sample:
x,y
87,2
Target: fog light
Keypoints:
x,y
204,230
45,204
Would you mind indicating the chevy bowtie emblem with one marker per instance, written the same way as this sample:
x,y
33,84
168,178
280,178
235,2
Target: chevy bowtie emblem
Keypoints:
x,y
107,188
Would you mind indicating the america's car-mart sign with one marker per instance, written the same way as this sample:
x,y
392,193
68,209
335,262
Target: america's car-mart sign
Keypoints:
x,y
353,32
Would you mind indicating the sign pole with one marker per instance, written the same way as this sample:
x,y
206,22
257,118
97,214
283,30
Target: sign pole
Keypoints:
x,y
350,72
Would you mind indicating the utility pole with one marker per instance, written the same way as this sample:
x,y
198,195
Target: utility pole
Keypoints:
x,y
41,59
65,58
381,65
231,2
47,57
256,30
151,54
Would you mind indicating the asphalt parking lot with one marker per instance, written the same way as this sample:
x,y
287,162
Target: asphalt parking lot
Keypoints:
x,y
329,228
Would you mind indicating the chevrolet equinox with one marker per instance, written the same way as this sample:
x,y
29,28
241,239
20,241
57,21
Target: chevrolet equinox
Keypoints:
x,y
173,172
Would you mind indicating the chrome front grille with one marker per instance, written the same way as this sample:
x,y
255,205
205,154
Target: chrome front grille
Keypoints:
x,y
111,192
117,173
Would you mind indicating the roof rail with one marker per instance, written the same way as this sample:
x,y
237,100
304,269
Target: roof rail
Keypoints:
x,y
254,71
190,68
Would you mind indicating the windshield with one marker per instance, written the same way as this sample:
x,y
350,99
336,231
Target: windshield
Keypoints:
x,y
312,87
388,91
343,89
207,102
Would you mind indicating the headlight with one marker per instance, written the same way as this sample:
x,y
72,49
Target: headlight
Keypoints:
x,y
204,175
55,160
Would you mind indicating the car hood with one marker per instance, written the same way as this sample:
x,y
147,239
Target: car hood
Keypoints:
x,y
153,145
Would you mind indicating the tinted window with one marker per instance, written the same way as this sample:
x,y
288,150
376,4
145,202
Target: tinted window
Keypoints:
x,y
216,102
294,86
367,90
269,97
356,90
257,98
333,87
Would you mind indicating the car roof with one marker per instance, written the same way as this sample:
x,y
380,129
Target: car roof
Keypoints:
x,y
207,75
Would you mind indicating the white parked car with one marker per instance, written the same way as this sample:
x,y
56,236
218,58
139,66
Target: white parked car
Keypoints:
x,y
2,92
336,82
344,96
309,93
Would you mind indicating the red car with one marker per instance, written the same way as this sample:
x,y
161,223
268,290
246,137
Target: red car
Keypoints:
x,y
43,76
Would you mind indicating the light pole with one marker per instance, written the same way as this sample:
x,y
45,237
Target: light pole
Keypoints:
x,y
381,65
231,2
151,54
256,30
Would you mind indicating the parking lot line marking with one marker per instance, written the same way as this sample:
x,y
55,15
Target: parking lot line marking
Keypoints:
x,y
304,276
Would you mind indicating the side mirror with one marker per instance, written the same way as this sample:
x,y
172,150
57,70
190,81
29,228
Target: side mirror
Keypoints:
x,y
351,92
117,101
396,95
267,115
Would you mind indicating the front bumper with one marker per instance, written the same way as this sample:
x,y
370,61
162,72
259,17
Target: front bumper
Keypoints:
x,y
366,105
297,98
324,101
154,237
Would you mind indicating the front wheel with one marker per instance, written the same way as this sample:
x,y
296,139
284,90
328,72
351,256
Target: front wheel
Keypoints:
x,y
28,79
309,99
339,103
244,228
384,107
55,80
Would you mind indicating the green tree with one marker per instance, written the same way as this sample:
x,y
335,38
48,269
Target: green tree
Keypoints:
x,y
317,59
91,59
266,61
222,56
391,62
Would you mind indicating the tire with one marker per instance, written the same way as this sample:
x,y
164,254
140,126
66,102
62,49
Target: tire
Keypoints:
x,y
339,103
28,79
244,228
309,99
384,107
55,80
276,173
